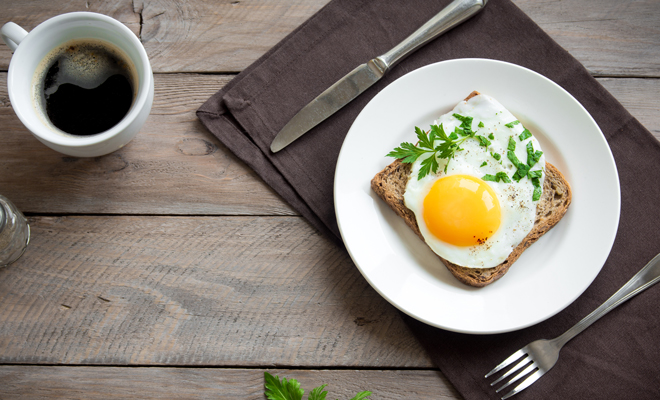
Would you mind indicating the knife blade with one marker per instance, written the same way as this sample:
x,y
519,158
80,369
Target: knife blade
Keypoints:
x,y
364,76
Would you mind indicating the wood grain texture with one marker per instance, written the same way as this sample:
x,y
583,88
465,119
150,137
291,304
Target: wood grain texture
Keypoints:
x,y
194,261
90,383
610,37
217,36
173,166
30,13
248,291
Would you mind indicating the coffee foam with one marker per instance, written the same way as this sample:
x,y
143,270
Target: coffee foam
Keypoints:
x,y
83,62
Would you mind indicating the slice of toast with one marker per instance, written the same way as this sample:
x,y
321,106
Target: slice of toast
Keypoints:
x,y
390,185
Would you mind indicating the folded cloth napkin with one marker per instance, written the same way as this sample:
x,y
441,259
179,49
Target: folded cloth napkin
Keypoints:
x,y
619,356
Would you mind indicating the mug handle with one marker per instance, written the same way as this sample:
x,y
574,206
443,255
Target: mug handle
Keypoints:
x,y
12,34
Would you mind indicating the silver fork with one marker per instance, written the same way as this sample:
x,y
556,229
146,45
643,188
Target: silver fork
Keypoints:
x,y
541,355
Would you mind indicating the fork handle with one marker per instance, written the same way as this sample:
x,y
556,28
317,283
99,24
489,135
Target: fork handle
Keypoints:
x,y
642,280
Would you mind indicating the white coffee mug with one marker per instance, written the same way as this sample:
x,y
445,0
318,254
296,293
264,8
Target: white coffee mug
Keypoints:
x,y
31,48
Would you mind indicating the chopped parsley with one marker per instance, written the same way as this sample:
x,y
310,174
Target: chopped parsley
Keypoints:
x,y
535,177
483,141
525,135
532,156
466,124
522,171
512,144
450,144
498,177
535,174
511,155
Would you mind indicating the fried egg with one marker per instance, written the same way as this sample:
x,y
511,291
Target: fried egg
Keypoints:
x,y
468,212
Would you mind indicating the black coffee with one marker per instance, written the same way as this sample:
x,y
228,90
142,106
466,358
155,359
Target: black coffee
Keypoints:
x,y
87,88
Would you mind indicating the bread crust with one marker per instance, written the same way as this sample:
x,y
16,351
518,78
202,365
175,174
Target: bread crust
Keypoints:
x,y
390,185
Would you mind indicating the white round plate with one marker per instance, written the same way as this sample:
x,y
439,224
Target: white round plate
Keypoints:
x,y
551,274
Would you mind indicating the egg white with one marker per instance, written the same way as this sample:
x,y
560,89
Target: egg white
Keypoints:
x,y
515,198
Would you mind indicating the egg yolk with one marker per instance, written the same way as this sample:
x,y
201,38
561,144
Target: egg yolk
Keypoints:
x,y
462,210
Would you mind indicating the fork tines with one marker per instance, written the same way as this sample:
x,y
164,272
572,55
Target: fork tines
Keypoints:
x,y
524,367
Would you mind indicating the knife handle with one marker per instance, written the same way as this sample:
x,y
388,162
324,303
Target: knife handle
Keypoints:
x,y
452,15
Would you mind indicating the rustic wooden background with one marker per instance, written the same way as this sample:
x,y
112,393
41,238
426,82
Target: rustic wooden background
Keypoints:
x,y
169,270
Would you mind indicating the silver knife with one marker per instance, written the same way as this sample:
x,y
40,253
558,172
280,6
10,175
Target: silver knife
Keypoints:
x,y
362,77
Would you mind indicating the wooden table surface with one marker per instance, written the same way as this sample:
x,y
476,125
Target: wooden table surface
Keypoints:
x,y
168,269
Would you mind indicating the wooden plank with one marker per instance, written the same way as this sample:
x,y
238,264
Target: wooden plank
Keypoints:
x,y
218,36
90,383
30,13
173,166
609,37
187,36
195,291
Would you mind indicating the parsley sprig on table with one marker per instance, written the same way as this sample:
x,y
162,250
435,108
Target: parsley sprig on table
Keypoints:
x,y
289,389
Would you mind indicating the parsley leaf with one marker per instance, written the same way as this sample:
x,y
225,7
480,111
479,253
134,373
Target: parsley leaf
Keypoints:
x,y
481,124
512,144
290,390
318,393
512,123
427,140
460,131
408,152
525,135
483,141
535,177
538,190
483,164
499,177
450,144
511,155
532,156
522,171
282,390
535,174
503,177
428,165
466,123
521,168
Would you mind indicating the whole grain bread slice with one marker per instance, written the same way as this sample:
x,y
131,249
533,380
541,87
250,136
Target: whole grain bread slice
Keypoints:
x,y
390,185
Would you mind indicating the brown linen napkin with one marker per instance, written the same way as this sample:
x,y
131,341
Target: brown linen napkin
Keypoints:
x,y
616,358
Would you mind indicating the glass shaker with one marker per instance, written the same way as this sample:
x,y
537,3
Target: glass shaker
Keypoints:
x,y
14,232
